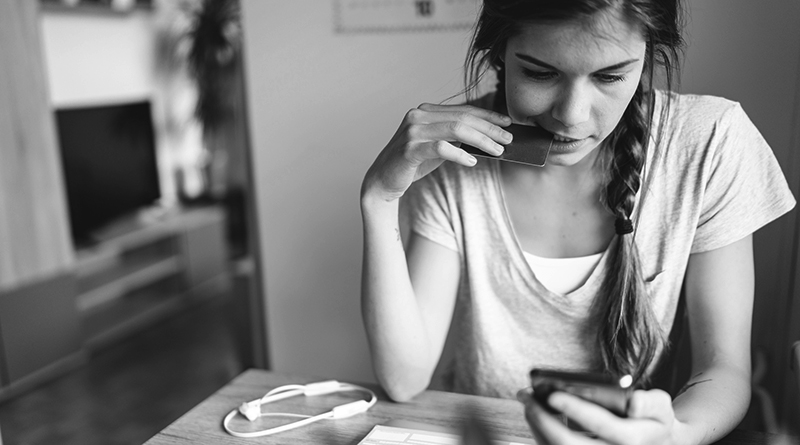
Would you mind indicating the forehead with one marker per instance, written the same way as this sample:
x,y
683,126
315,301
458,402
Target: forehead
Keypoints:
x,y
601,39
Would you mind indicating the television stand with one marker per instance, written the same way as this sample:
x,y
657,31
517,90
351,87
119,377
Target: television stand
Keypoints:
x,y
144,269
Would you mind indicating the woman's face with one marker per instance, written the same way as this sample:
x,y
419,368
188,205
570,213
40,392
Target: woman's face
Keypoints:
x,y
574,79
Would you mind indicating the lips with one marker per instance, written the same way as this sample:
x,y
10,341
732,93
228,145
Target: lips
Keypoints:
x,y
559,138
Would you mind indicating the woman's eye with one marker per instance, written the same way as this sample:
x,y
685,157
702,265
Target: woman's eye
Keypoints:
x,y
539,75
610,78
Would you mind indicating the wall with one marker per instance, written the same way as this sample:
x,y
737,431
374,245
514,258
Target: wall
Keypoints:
x,y
97,58
321,107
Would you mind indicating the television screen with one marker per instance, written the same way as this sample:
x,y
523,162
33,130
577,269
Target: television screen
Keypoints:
x,y
109,158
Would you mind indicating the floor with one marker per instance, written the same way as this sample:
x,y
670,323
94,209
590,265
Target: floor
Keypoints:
x,y
128,392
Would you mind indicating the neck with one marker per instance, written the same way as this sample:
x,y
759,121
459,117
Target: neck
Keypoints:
x,y
587,174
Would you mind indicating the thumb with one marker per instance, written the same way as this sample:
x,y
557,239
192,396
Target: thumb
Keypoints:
x,y
653,404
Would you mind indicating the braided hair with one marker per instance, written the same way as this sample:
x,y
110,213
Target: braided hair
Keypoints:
x,y
629,336
628,332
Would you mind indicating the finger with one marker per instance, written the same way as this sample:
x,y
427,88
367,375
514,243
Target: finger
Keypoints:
x,y
447,151
654,404
591,416
460,132
457,126
550,430
486,121
525,395
489,115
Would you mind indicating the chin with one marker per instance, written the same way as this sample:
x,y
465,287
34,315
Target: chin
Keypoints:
x,y
563,160
570,159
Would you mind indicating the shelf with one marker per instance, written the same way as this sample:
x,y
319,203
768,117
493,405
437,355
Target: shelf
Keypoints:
x,y
142,308
108,263
147,267
128,279
150,226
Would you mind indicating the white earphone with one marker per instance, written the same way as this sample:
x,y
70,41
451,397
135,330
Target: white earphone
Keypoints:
x,y
252,409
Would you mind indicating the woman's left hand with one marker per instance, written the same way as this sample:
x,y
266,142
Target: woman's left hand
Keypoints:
x,y
650,420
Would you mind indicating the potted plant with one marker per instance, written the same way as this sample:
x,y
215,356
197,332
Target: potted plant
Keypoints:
x,y
214,62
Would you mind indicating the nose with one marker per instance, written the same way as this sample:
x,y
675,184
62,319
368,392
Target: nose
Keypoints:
x,y
573,104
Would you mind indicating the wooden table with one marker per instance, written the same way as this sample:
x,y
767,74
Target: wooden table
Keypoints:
x,y
203,424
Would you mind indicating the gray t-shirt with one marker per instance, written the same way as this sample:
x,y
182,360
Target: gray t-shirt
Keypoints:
x,y
714,182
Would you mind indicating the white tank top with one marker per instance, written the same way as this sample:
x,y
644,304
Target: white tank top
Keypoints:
x,y
562,275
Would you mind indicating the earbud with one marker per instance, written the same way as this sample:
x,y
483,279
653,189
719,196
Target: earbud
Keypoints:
x,y
252,409
350,409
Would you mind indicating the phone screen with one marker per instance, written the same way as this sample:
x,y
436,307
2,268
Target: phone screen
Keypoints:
x,y
604,390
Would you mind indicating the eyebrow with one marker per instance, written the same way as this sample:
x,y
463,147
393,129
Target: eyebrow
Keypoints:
x,y
535,61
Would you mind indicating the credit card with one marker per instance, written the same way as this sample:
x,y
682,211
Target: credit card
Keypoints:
x,y
530,145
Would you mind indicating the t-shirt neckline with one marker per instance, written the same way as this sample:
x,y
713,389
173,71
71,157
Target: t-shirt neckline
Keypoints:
x,y
518,256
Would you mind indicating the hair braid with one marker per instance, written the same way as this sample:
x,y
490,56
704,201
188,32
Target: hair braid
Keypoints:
x,y
629,335
626,145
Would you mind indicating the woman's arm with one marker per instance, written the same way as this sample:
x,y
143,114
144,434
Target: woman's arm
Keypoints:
x,y
719,294
407,307
407,303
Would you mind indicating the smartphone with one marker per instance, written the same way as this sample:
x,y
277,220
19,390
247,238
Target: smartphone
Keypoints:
x,y
604,390
530,145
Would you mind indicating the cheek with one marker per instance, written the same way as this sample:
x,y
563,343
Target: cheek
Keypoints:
x,y
525,101
610,114
611,110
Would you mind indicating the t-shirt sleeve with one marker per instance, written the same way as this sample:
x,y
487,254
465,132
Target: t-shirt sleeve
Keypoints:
x,y
745,188
425,210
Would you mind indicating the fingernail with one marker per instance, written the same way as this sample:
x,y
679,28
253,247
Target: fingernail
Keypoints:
x,y
500,149
556,401
471,159
508,137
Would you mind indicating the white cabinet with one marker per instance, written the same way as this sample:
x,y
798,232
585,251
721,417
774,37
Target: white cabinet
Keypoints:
x,y
144,270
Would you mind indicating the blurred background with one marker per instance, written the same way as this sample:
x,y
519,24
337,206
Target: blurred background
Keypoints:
x,y
179,192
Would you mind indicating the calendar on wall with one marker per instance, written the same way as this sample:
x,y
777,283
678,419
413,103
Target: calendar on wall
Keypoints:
x,y
403,15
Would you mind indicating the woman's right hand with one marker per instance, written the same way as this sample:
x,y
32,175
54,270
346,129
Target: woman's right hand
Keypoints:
x,y
429,135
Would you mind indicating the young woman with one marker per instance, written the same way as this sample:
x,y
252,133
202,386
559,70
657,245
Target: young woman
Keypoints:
x,y
580,264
